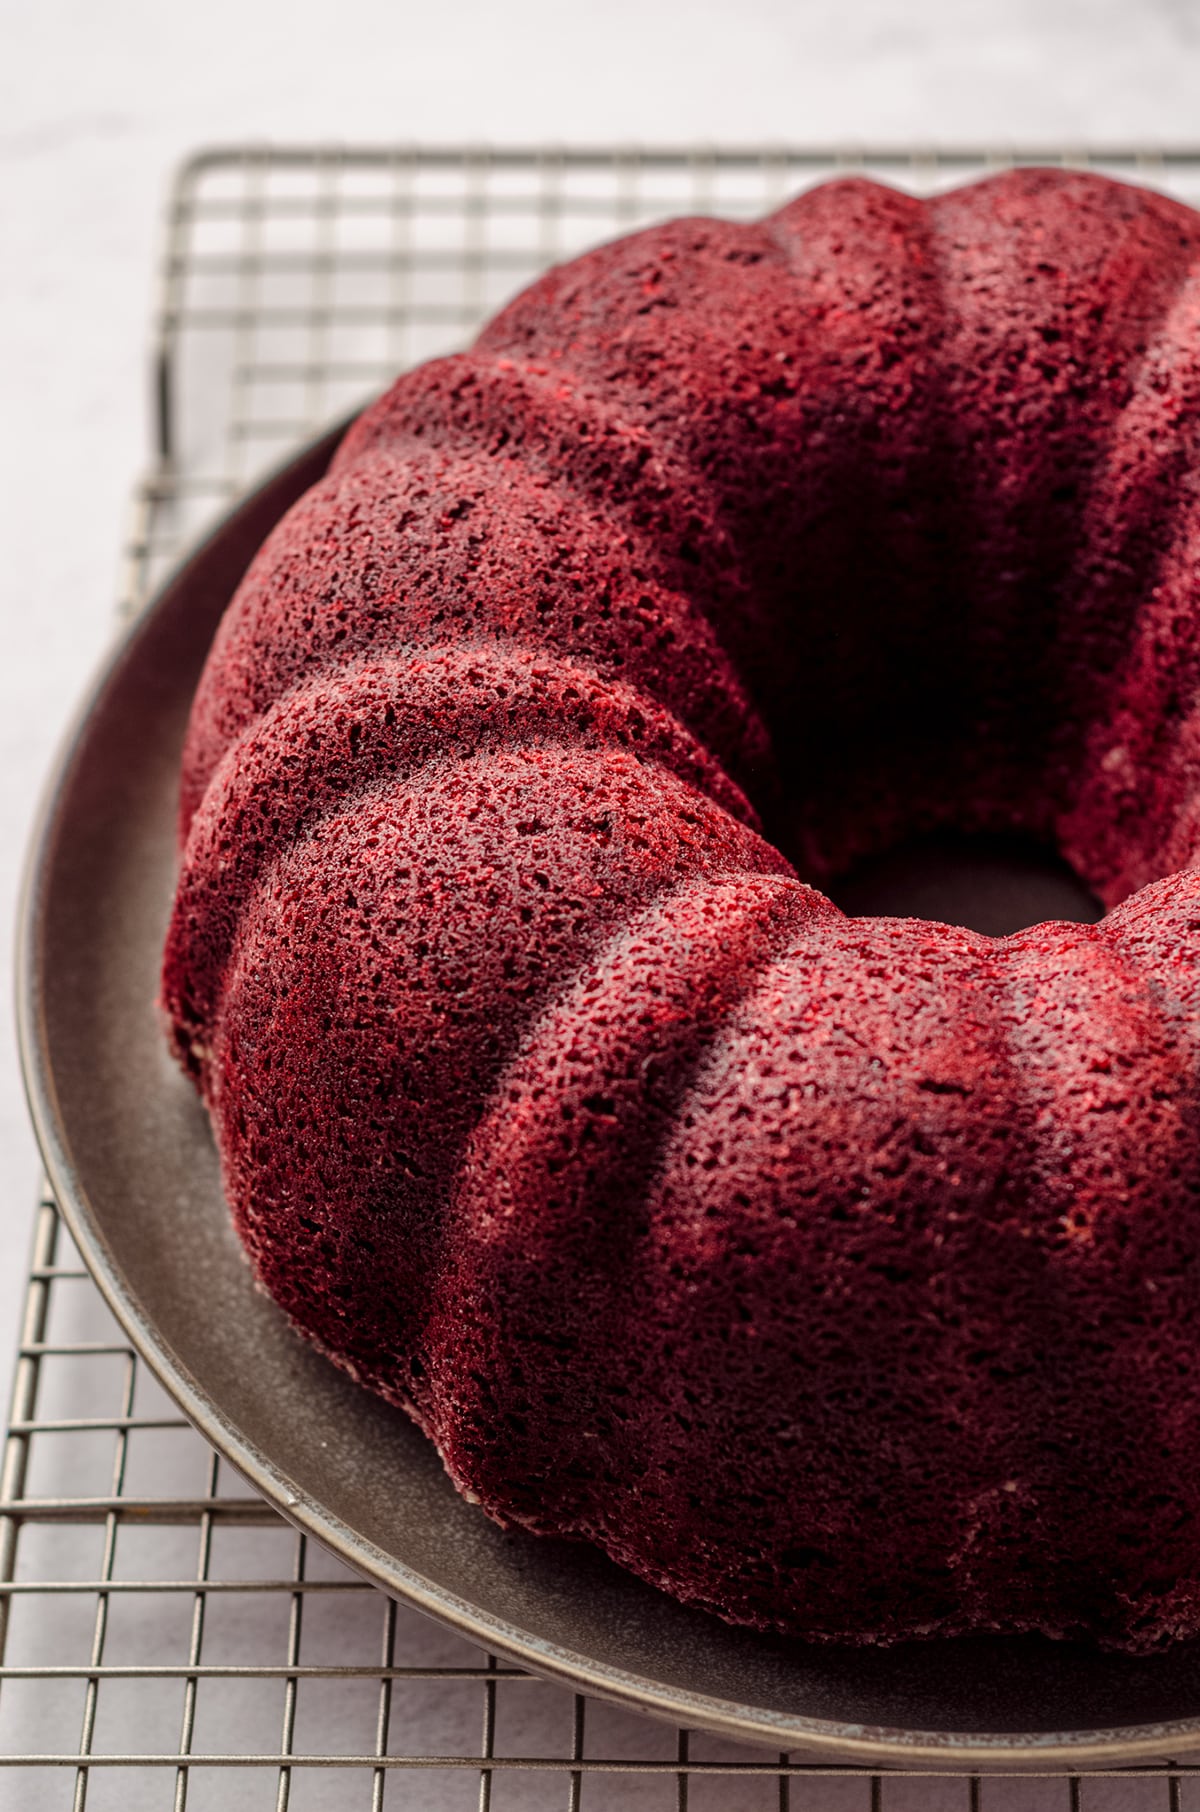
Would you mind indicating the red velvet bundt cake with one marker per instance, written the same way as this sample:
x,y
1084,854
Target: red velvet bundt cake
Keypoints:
x,y
841,1275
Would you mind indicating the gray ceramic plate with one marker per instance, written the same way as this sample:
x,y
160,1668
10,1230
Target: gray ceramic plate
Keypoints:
x,y
129,1154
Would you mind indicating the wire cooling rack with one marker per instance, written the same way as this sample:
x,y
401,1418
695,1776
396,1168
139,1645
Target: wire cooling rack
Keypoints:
x,y
166,1640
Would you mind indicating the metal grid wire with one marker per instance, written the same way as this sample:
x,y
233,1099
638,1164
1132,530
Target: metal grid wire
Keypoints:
x,y
165,1639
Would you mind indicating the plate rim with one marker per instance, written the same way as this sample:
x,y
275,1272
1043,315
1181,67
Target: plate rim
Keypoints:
x,y
825,1740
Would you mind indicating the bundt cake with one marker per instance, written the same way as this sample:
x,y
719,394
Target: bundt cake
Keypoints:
x,y
838,1274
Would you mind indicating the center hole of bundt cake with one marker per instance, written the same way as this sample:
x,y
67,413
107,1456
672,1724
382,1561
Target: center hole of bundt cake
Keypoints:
x,y
993,884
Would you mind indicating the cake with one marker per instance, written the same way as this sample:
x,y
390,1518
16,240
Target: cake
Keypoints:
x,y
838,1275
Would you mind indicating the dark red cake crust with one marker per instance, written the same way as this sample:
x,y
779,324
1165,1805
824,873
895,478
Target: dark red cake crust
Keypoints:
x,y
839,1275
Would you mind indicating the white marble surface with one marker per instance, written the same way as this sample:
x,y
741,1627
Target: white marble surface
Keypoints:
x,y
99,98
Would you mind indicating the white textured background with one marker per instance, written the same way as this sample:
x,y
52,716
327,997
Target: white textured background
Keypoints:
x,y
100,98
